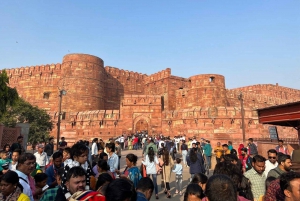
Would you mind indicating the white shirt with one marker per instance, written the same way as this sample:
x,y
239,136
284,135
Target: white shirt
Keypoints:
x,y
25,184
270,166
41,159
150,166
159,144
121,139
13,167
94,150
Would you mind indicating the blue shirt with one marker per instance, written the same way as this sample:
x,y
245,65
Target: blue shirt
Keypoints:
x,y
207,149
50,172
140,197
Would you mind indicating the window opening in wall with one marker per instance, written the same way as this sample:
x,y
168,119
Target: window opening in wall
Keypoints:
x,y
63,115
212,79
46,95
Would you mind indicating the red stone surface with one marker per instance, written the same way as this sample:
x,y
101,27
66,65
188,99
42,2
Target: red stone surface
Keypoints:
x,y
107,101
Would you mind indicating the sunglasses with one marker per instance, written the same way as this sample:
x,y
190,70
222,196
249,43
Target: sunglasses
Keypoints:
x,y
270,157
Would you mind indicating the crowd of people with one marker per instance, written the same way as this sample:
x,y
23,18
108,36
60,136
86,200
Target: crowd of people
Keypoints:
x,y
92,172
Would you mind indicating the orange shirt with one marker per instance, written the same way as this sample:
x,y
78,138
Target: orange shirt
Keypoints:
x,y
218,151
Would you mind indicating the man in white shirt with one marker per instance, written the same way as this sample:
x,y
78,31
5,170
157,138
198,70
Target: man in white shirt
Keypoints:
x,y
41,157
94,151
271,163
121,140
26,164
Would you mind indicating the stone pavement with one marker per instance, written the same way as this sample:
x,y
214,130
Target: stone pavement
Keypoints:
x,y
161,194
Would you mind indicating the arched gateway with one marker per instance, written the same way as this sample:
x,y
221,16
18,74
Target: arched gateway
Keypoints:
x,y
141,123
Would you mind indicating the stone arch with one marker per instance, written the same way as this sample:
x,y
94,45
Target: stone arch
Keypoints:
x,y
142,119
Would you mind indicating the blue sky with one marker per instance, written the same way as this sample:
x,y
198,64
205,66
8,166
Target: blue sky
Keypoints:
x,y
249,42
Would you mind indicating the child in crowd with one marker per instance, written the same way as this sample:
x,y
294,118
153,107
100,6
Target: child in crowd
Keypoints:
x,y
178,179
4,162
66,153
40,185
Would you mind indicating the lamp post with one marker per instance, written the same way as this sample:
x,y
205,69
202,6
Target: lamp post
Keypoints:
x,y
240,97
61,93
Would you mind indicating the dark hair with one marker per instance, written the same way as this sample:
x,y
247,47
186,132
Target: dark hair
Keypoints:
x,y
233,151
132,158
68,150
111,146
151,154
125,190
77,150
57,155
6,146
117,142
225,145
24,157
250,139
229,142
76,171
102,179
95,139
17,150
193,189
199,178
283,158
280,141
165,156
273,151
103,165
268,181
12,177
102,154
244,149
225,188
145,184
51,138
178,160
193,155
60,172
20,137
286,178
229,158
40,177
258,158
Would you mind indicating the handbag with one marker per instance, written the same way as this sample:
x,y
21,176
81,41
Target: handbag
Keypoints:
x,y
143,170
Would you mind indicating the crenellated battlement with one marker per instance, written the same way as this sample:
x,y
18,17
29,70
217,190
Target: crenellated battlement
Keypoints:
x,y
141,100
263,87
117,73
158,76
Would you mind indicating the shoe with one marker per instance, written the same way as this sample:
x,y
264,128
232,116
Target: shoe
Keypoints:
x,y
169,195
180,193
166,192
156,196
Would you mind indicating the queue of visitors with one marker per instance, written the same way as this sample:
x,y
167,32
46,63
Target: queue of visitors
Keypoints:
x,y
83,172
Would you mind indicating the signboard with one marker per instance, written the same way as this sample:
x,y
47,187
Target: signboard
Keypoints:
x,y
273,132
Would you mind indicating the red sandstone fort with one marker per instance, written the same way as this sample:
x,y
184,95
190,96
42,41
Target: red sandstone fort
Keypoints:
x,y
107,101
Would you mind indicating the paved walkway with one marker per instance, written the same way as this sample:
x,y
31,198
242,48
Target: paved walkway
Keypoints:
x,y
161,194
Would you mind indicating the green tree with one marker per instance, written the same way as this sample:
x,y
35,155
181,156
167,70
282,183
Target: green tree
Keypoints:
x,y
23,112
8,95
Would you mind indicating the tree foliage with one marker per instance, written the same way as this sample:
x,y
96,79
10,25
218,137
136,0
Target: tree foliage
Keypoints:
x,y
23,112
8,95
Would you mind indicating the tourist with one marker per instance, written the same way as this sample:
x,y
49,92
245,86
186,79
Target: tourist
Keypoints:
x,y
207,155
144,189
225,149
131,171
79,154
52,170
184,151
103,180
4,162
113,159
151,161
284,165
220,187
167,166
150,143
6,148
195,162
125,192
218,150
273,191
252,148
240,151
75,180
62,144
94,150
41,157
14,159
18,145
289,184
56,193
271,163
119,152
200,179
193,193
103,168
11,189
246,160
66,154
40,185
122,140
26,165
257,177
49,148
178,176
282,149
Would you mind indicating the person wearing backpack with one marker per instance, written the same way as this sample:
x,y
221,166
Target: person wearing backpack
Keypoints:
x,y
195,162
